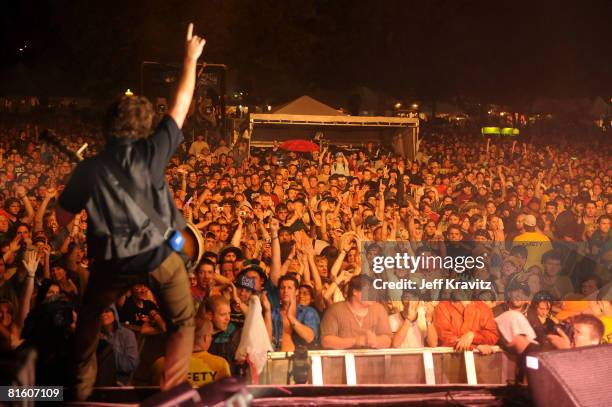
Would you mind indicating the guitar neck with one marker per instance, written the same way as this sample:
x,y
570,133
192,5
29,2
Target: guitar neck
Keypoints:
x,y
48,137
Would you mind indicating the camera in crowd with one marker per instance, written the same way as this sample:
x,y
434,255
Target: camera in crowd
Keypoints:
x,y
565,326
299,365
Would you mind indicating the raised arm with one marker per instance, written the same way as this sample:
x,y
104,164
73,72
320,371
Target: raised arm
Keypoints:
x,y
30,263
275,269
183,183
40,212
287,263
502,179
344,249
539,190
322,157
304,267
23,196
184,92
380,210
237,237
188,213
45,258
324,234
310,254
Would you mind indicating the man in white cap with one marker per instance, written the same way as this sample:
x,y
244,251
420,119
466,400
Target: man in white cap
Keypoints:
x,y
536,242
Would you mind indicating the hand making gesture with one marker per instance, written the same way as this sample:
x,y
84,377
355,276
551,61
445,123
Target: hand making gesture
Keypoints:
x,y
184,92
30,262
193,44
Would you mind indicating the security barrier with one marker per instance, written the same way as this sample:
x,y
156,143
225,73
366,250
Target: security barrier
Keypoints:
x,y
396,366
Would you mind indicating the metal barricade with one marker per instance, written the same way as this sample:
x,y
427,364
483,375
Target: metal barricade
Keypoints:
x,y
396,366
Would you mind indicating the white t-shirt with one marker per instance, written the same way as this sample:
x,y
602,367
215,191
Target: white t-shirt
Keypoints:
x,y
414,338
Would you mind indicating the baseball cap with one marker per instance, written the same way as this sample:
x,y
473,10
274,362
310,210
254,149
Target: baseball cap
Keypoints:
x,y
530,220
253,267
247,204
231,249
244,281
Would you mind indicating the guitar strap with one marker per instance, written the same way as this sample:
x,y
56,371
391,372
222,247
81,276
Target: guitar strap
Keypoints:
x,y
173,237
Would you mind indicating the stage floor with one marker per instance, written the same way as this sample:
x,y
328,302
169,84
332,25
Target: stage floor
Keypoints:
x,y
365,395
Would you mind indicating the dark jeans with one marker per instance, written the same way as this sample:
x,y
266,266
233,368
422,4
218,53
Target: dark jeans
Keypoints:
x,y
170,284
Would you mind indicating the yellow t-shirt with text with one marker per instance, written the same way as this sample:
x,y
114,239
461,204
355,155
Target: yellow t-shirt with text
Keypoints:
x,y
204,368
536,243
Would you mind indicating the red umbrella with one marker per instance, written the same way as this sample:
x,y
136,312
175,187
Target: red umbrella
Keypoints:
x,y
302,146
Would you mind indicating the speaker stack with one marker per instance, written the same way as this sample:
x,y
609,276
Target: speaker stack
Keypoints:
x,y
575,377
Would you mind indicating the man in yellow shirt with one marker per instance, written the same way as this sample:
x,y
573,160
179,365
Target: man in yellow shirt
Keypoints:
x,y
204,368
536,242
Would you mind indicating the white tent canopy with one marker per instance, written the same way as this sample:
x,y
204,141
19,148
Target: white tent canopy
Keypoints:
x,y
305,105
305,116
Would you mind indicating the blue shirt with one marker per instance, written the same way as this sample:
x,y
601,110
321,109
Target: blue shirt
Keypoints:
x,y
273,295
305,315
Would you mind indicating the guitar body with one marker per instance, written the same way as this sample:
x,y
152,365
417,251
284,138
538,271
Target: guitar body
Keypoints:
x,y
194,245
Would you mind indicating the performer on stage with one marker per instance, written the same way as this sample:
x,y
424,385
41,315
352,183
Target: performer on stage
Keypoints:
x,y
126,246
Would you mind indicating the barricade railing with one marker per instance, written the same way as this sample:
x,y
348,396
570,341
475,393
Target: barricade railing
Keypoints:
x,y
441,365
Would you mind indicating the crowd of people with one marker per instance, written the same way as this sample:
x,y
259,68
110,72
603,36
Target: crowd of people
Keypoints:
x,y
292,229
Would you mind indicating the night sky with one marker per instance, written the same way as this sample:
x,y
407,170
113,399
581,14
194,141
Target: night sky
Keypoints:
x,y
493,51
